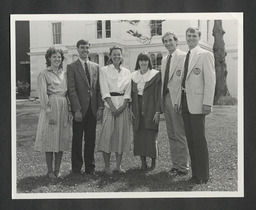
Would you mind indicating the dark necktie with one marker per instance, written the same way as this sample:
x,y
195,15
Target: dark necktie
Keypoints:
x,y
166,75
185,70
87,72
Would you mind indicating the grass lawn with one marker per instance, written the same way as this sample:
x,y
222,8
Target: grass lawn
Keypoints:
x,y
221,134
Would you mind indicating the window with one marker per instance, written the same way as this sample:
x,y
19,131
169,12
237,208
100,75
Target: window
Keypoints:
x,y
99,29
106,59
56,31
158,61
153,60
103,29
156,27
108,28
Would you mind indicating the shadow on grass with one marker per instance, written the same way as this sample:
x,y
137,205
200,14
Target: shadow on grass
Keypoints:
x,y
134,180
150,181
31,183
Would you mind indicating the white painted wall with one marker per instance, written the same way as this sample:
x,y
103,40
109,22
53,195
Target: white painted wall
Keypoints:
x,y
72,31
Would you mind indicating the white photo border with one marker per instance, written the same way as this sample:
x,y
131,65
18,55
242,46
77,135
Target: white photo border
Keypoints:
x,y
129,16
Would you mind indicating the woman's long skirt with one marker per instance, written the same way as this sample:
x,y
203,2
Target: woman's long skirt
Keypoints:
x,y
145,143
115,133
57,137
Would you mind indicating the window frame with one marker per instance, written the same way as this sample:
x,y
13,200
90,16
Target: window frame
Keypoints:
x,y
108,28
56,33
156,27
99,29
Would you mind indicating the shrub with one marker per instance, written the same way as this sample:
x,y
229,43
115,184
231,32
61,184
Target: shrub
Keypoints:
x,y
226,100
22,89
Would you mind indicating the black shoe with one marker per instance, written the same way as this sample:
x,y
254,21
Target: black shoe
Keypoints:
x,y
153,164
203,181
90,172
143,167
193,180
173,171
181,173
76,172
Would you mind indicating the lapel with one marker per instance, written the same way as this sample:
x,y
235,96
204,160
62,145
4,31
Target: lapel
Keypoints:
x,y
91,71
194,61
81,71
134,87
174,63
164,67
150,82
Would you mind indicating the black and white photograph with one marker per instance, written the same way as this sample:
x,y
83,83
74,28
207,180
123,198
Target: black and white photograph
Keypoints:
x,y
127,105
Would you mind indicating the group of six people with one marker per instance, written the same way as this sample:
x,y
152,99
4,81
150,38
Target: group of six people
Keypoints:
x,y
183,90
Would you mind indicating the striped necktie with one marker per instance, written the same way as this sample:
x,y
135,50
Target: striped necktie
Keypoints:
x,y
185,70
87,72
166,75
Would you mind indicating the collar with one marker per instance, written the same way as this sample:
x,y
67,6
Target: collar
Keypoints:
x,y
194,50
136,76
82,61
113,67
174,53
50,69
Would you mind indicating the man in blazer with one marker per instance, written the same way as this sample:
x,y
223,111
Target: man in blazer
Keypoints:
x,y
171,84
86,104
198,86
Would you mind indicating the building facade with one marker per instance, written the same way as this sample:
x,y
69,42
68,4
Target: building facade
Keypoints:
x,y
103,34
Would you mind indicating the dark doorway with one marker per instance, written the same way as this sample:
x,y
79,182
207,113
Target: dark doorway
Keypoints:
x,y
22,59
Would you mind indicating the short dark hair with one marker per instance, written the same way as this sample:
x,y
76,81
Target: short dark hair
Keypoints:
x,y
170,33
49,54
193,30
82,42
115,47
143,57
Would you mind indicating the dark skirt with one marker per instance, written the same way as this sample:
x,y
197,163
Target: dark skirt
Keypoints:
x,y
145,143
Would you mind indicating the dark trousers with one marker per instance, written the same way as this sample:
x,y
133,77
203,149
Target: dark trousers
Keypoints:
x,y
86,128
194,125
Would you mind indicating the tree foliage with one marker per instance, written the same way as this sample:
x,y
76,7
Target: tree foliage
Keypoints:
x,y
142,38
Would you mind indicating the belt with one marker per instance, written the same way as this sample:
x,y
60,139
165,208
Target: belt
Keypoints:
x,y
116,94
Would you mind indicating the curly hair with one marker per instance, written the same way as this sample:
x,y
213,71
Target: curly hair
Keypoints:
x,y
49,54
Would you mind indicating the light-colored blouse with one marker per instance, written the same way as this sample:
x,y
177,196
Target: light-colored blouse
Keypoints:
x,y
141,79
50,83
113,81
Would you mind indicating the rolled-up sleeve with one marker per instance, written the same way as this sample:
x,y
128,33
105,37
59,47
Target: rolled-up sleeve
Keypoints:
x,y
104,88
127,91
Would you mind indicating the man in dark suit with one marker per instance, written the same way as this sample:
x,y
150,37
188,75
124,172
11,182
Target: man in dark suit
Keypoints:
x,y
198,86
87,106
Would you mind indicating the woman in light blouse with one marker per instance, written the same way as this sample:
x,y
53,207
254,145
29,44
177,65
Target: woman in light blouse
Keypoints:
x,y
115,85
54,127
146,94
